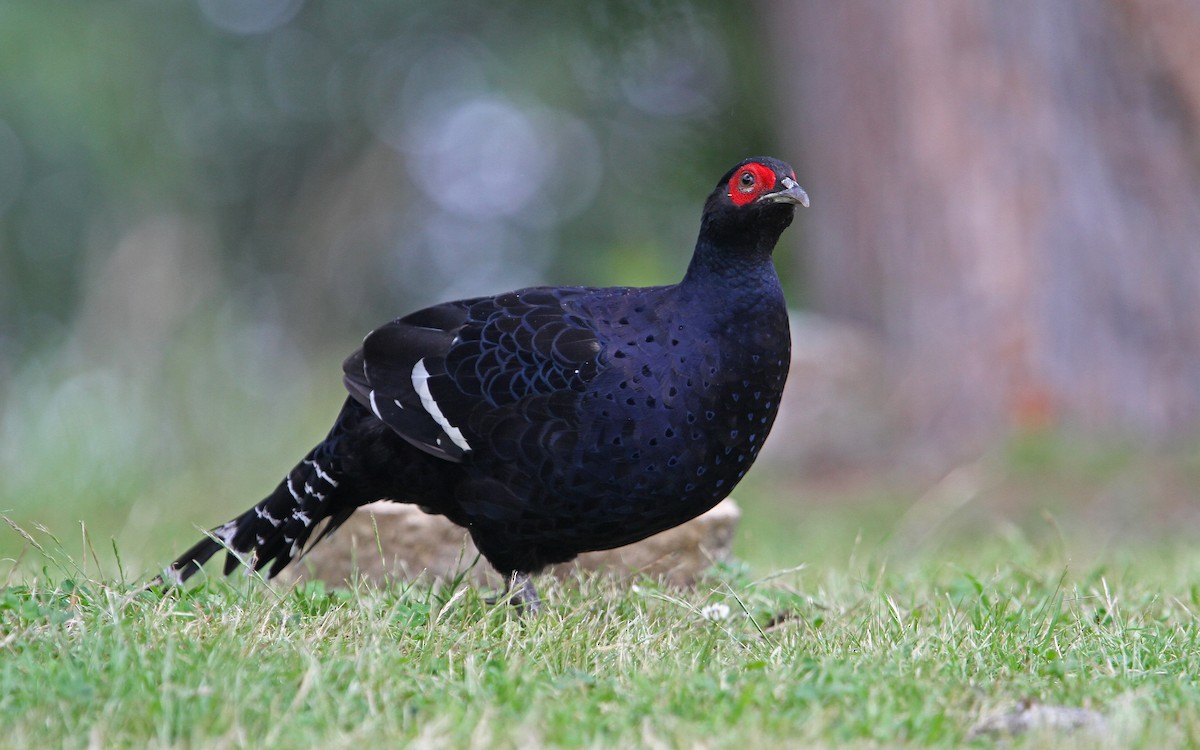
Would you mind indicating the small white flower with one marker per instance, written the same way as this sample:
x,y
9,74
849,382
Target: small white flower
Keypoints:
x,y
715,612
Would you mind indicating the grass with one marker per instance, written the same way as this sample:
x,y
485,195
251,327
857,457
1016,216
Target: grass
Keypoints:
x,y
872,613
863,654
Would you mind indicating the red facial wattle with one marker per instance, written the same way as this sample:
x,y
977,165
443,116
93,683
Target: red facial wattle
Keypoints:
x,y
750,182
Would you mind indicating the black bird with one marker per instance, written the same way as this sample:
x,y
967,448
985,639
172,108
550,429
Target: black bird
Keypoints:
x,y
555,420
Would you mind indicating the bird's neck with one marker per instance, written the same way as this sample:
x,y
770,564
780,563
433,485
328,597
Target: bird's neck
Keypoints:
x,y
732,270
733,281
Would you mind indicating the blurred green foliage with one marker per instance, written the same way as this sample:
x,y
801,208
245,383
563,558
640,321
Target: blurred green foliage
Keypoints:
x,y
580,138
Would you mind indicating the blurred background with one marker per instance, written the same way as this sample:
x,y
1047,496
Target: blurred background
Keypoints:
x,y
205,204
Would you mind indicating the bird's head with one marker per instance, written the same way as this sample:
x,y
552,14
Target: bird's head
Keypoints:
x,y
752,204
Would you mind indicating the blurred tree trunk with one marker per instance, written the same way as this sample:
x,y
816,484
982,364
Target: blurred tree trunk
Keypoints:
x,y
1009,191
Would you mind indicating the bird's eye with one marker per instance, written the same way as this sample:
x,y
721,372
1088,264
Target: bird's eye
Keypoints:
x,y
749,182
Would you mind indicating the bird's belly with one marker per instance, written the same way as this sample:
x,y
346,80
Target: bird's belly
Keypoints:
x,y
653,460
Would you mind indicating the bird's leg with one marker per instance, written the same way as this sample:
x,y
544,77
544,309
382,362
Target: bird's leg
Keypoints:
x,y
519,591
525,596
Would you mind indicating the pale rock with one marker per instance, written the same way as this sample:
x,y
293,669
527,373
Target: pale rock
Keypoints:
x,y
1031,716
390,540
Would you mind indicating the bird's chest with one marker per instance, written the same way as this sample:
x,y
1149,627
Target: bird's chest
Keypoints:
x,y
680,415
735,412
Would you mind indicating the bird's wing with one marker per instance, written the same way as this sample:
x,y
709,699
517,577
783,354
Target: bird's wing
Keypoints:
x,y
450,377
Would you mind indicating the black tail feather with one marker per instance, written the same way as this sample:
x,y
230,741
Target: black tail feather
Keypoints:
x,y
277,530
190,562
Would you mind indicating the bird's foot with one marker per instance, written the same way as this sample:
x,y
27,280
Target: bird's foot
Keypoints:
x,y
519,591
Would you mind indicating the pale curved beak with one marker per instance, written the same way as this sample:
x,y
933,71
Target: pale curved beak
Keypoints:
x,y
791,193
